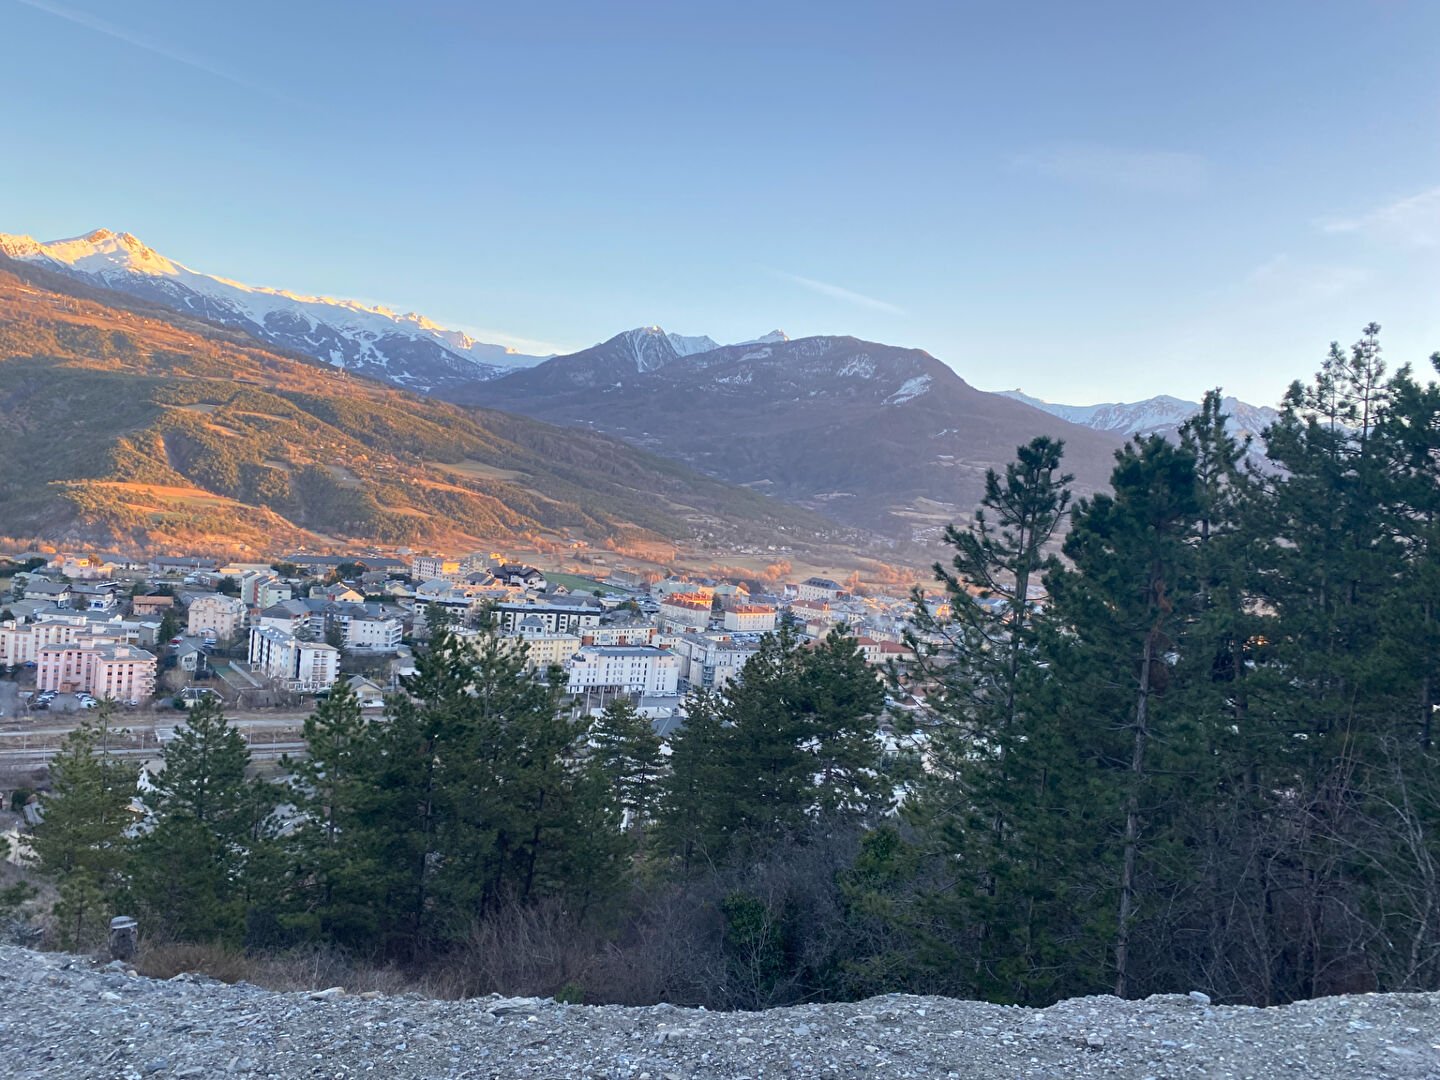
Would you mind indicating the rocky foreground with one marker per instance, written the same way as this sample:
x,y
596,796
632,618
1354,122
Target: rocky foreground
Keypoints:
x,y
62,1017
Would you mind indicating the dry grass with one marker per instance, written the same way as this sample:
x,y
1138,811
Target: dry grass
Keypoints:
x,y
297,970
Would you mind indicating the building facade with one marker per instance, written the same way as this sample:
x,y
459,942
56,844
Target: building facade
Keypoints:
x,y
307,667
122,672
630,669
218,616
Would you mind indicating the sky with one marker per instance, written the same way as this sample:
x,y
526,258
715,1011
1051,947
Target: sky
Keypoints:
x,y
1090,202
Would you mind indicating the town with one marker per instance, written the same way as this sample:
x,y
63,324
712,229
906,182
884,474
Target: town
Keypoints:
x,y
159,634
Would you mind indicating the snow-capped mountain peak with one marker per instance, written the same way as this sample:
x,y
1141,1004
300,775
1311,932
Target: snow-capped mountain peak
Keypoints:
x,y
409,350
1162,414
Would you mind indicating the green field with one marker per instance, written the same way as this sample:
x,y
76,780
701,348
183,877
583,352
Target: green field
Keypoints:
x,y
575,583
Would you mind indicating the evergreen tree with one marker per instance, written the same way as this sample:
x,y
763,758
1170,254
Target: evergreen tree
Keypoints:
x,y
330,788
81,843
628,753
1124,605
190,870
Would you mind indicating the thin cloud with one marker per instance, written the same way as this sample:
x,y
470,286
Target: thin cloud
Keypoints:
x,y
1413,221
109,29
1162,171
1291,282
836,292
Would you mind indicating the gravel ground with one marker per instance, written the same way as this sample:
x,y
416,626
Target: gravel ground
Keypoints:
x,y
62,1017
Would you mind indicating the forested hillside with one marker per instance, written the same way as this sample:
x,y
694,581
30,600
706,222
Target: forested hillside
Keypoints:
x,y
123,421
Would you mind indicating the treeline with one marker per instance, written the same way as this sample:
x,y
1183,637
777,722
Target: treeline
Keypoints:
x,y
1196,752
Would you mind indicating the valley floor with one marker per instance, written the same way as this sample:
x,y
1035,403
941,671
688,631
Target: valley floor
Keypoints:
x,y
64,1017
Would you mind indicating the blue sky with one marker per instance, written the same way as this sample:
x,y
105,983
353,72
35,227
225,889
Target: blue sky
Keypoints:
x,y
1091,201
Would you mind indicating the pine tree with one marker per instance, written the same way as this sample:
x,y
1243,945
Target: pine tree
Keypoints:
x,y
81,844
190,869
330,787
975,816
628,753
1124,605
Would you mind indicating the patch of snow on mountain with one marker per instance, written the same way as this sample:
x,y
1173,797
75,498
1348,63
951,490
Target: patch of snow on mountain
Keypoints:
x,y
860,366
909,390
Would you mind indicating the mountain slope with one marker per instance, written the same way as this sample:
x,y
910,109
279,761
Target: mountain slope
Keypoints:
x,y
878,436
407,350
1158,415
121,420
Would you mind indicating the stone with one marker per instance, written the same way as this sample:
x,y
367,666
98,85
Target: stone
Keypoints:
x,y
1200,997
329,994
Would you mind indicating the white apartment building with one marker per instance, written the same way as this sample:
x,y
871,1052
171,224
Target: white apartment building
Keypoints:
x,y
122,672
219,616
20,643
373,633
749,618
710,661
433,567
306,667
818,588
545,648
628,668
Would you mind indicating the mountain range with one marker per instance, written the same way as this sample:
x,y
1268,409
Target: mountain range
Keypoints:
x,y
1160,415
408,350
884,438
123,420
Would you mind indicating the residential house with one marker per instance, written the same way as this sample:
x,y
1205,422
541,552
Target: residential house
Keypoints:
x,y
151,605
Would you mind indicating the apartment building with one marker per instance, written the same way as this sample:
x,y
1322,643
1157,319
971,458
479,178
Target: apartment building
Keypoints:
x,y
217,616
117,671
749,618
630,669
684,611
307,667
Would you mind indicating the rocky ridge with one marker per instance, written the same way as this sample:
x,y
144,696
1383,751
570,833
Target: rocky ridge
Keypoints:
x,y
64,1016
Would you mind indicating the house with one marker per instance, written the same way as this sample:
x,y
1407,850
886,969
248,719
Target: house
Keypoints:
x,y
151,605
216,615
818,588
527,577
683,611
370,693
190,655
87,597
632,669
314,565
671,586
39,588
169,564
622,578
307,667
748,618
117,671
340,593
